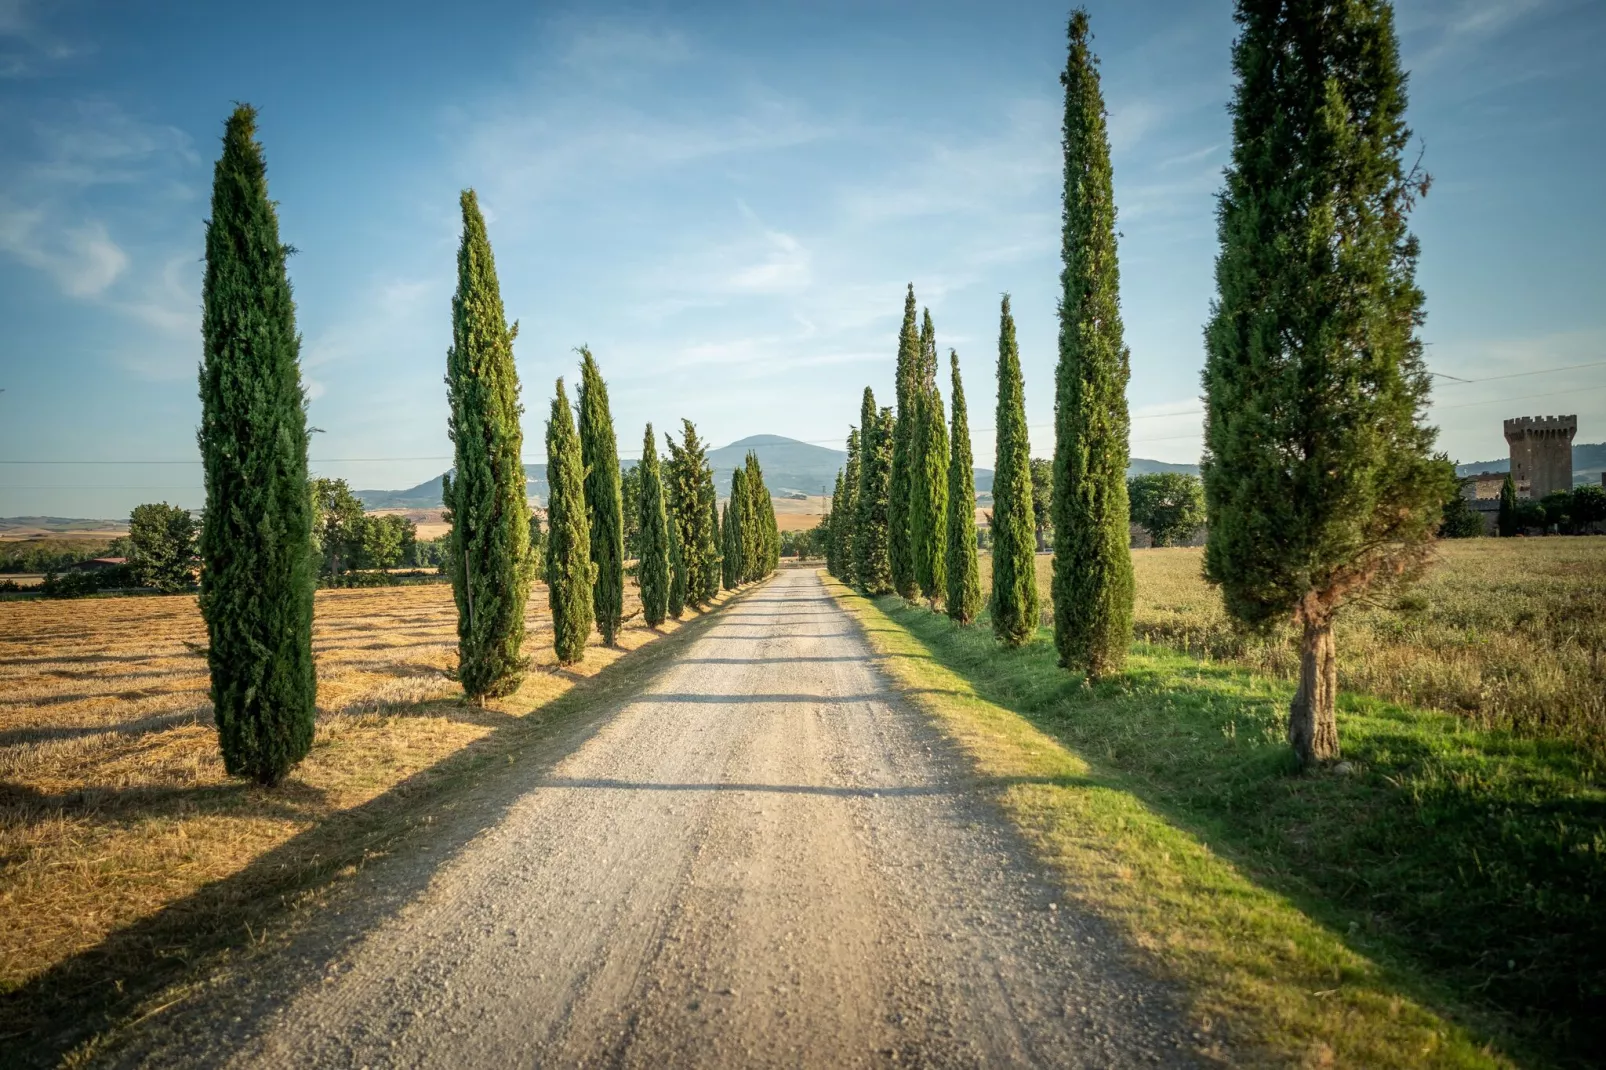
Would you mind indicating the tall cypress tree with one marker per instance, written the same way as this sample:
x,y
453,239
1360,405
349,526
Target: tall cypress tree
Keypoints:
x,y
570,572
1506,518
873,567
730,533
833,530
1318,469
900,501
849,510
599,452
929,474
963,572
710,529
1092,560
737,542
489,506
677,571
754,550
258,571
1014,604
688,513
652,572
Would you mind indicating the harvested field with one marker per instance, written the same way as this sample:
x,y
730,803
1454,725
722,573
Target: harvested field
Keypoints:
x,y
113,799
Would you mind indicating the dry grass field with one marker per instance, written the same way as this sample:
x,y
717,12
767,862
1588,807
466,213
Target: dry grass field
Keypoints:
x,y
113,799
1508,633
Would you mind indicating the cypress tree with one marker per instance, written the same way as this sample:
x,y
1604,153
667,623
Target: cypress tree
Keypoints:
x,y
730,549
677,571
736,538
569,570
849,511
963,573
1318,468
833,530
258,570
753,549
900,530
490,509
1092,560
1506,519
652,572
1014,604
599,452
873,567
710,527
929,475
688,513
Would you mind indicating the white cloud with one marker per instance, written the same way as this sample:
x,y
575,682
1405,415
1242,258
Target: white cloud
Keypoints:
x,y
82,259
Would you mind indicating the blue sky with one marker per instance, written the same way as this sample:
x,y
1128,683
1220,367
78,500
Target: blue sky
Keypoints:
x,y
725,202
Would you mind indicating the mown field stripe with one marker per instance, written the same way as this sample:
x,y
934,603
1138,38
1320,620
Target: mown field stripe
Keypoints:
x,y
1273,985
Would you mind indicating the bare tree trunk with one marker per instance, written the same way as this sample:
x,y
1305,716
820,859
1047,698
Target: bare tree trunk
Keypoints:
x,y
1313,720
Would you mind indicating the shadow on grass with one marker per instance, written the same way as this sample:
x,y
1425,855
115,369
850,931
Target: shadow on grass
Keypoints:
x,y
436,810
1476,857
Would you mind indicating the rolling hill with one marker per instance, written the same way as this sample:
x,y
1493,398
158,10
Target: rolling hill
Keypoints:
x,y
790,467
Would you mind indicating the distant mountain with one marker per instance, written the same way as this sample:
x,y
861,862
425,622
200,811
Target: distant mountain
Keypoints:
x,y
790,467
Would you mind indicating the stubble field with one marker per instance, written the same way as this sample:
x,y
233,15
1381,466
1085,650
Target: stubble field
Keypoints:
x,y
113,799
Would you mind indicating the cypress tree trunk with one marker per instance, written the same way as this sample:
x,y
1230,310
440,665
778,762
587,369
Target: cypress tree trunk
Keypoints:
x,y
1092,559
850,510
599,452
569,569
901,480
258,571
963,571
930,475
1313,720
873,567
1014,603
738,537
490,509
652,573
1320,477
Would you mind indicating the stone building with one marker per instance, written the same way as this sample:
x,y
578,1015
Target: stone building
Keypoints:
x,y
1542,452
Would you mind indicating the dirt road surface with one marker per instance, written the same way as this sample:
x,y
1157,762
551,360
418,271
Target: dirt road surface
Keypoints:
x,y
764,859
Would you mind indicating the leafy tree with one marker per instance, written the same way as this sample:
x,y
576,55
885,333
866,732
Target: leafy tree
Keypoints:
x,y
929,475
386,541
1319,475
1459,520
687,475
1014,604
1588,507
1532,515
1092,589
872,567
900,503
848,512
1043,502
963,571
337,525
258,573
738,534
599,452
652,520
570,572
486,497
1558,509
1506,519
161,541
1169,505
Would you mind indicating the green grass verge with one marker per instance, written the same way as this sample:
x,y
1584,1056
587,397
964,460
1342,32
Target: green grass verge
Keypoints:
x,y
1441,906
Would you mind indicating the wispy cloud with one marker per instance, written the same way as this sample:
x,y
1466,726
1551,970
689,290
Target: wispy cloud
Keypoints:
x,y
28,47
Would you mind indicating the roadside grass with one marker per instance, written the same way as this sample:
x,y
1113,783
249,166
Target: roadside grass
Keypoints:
x,y
126,851
1439,903
1505,633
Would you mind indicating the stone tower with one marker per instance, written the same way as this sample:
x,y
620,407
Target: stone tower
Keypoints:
x,y
1542,452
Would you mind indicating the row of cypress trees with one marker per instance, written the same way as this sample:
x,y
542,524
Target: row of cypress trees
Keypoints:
x,y
256,544
1319,471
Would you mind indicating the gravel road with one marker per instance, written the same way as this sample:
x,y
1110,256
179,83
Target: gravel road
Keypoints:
x,y
764,859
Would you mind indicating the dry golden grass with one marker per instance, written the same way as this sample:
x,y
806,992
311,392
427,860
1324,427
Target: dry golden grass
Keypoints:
x,y
1509,633
113,799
